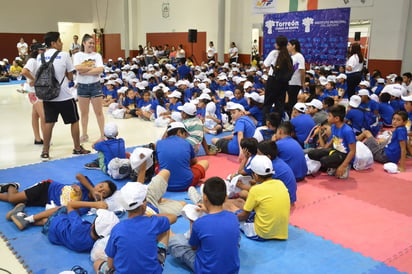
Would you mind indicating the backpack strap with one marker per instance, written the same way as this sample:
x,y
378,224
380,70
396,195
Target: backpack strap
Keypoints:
x,y
51,61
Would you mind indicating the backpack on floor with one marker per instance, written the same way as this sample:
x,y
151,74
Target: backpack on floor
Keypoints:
x,y
46,85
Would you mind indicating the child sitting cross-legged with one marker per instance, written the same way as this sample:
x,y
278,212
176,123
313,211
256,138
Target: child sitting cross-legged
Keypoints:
x,y
391,150
213,246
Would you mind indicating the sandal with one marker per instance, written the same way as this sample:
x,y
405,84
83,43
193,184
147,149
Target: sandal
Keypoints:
x,y
81,151
44,156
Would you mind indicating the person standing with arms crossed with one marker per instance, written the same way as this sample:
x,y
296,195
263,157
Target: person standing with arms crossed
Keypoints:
x,y
89,66
64,104
354,67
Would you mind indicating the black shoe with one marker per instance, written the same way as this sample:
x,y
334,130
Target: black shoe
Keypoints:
x,y
38,142
5,187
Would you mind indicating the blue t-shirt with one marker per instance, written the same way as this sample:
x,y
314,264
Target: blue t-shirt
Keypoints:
x,y
342,137
55,192
291,152
133,244
386,112
241,101
111,93
143,103
174,154
330,93
71,231
130,103
183,71
111,148
173,107
243,124
216,237
303,124
257,113
356,118
284,173
370,106
397,104
393,149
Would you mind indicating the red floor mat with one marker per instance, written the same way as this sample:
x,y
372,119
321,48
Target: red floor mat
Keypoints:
x,y
371,230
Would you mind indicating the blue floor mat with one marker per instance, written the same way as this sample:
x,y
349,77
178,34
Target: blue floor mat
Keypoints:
x,y
303,252
13,82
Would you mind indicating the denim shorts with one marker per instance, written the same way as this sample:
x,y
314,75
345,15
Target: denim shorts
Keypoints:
x,y
89,90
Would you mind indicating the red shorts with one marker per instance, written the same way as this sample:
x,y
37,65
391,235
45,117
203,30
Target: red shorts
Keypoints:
x,y
199,172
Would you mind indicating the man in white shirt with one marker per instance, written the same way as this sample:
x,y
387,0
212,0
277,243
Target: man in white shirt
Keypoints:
x,y
64,104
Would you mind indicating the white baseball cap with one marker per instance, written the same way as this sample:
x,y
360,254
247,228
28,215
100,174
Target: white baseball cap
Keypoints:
x,y
188,108
323,81
341,76
175,94
110,130
261,165
104,222
363,92
233,106
301,107
315,103
139,155
204,96
391,168
255,96
132,195
175,125
247,84
364,83
355,101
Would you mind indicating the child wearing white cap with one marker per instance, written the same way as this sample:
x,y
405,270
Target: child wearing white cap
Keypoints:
x,y
354,116
302,122
177,155
265,219
140,241
108,148
244,128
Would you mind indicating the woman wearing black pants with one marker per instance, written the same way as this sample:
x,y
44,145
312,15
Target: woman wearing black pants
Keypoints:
x,y
354,67
298,78
275,91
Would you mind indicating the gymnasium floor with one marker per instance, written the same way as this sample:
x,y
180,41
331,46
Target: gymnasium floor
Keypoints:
x,y
359,225
17,148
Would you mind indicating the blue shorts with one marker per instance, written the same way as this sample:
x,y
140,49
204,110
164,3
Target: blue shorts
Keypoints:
x,y
89,90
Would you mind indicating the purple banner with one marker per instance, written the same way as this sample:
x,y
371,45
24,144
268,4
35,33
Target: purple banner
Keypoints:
x,y
323,34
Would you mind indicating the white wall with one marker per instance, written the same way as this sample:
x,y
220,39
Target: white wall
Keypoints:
x,y
41,16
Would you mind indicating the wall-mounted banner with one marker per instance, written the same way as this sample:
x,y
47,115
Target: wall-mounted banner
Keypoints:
x,y
323,34
263,6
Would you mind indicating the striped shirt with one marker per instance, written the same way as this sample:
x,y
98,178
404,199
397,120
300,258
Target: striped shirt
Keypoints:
x,y
195,128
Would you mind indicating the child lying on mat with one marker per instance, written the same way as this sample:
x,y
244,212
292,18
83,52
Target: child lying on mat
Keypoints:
x,y
64,226
52,192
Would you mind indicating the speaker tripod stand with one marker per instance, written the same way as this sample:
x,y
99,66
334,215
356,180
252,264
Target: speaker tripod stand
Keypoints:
x,y
192,57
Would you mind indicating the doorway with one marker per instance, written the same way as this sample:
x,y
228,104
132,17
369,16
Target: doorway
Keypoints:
x,y
68,29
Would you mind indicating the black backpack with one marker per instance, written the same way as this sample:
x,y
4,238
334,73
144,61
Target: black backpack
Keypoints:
x,y
283,73
46,85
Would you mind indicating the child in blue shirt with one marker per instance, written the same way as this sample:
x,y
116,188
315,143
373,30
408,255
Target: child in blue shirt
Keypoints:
x,y
281,170
108,147
239,98
302,122
255,112
394,149
291,151
385,109
130,103
330,90
110,94
355,117
213,246
338,154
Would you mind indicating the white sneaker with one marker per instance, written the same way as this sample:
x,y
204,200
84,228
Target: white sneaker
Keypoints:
x,y
345,174
194,196
331,171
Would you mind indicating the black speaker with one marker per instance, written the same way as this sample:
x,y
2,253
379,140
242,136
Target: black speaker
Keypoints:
x,y
192,35
357,35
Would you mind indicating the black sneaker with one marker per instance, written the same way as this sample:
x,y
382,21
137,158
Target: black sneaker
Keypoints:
x,y
5,187
19,221
92,165
18,208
